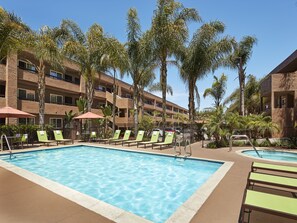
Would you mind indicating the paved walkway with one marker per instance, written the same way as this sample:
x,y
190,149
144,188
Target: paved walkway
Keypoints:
x,y
22,201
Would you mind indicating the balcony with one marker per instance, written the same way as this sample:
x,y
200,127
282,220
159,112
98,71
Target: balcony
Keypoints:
x,y
124,121
31,76
120,102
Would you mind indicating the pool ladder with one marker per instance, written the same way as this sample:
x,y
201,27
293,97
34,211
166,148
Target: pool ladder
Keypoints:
x,y
243,136
187,145
8,145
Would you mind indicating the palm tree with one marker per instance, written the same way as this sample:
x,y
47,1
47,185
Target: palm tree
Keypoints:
x,y
169,32
251,100
114,59
107,113
205,53
87,50
141,64
45,48
242,52
12,33
218,90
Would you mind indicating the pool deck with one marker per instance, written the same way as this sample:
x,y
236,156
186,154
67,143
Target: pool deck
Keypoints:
x,y
24,201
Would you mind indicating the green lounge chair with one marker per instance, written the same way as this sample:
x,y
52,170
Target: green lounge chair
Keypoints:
x,y
42,138
24,139
139,138
59,137
268,203
272,180
116,135
154,139
273,167
125,138
168,140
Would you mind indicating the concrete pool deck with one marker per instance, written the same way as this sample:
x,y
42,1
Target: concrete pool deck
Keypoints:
x,y
23,201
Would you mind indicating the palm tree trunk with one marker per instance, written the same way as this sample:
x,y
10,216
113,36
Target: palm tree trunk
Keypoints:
x,y
41,93
135,104
191,109
241,89
163,86
114,98
90,93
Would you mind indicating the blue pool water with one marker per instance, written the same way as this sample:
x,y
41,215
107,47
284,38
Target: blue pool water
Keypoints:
x,y
150,186
273,155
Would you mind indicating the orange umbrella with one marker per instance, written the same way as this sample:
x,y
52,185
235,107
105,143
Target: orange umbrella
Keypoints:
x,y
89,115
9,112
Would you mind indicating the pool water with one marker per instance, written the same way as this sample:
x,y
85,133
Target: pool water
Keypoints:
x,y
149,186
273,155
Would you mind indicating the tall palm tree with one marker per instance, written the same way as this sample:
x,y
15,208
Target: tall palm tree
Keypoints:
x,y
242,52
169,32
251,99
12,33
87,50
218,90
141,64
205,53
45,47
114,59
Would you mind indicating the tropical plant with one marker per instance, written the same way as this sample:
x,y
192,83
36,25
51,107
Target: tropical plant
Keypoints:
x,y
218,90
146,124
107,113
205,53
68,118
82,105
141,64
12,33
241,54
87,50
114,59
44,45
252,97
169,32
216,126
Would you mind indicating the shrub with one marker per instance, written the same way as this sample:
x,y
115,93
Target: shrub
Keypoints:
x,y
211,145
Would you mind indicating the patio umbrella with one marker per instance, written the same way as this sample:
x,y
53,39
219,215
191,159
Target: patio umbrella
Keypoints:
x,y
9,112
89,115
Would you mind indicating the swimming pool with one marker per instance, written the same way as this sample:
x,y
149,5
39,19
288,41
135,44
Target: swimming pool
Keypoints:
x,y
150,186
273,155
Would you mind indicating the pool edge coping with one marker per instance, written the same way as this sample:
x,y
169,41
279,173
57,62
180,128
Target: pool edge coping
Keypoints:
x,y
185,212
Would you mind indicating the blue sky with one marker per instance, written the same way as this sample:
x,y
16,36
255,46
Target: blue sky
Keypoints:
x,y
272,22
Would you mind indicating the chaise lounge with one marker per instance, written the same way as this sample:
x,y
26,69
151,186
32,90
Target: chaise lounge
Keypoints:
x,y
167,142
42,138
268,203
116,136
154,139
138,139
125,137
59,137
273,167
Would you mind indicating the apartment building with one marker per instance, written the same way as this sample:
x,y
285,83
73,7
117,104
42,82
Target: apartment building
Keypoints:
x,y
18,89
279,95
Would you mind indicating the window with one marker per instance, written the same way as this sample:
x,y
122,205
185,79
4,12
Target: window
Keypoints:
x,y
100,88
56,99
77,80
26,121
2,91
56,122
27,66
25,94
68,78
68,100
56,75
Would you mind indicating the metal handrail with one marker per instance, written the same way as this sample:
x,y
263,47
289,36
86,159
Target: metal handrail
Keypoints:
x,y
8,145
243,136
